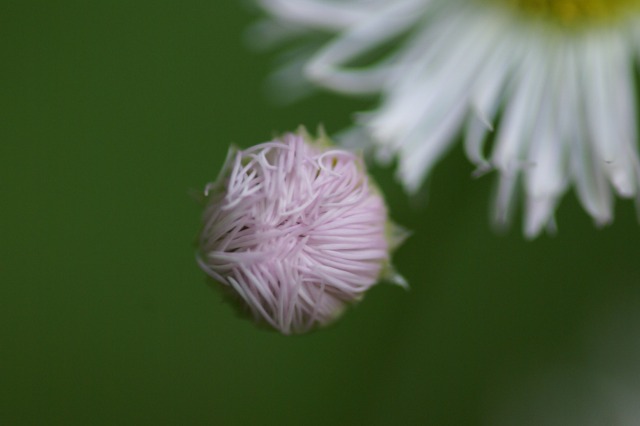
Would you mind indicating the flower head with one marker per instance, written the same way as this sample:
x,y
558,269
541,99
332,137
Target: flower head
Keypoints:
x,y
559,74
295,230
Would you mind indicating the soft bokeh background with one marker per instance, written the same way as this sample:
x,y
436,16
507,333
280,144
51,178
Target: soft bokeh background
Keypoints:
x,y
111,112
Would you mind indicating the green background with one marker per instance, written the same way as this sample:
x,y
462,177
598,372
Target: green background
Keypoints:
x,y
111,113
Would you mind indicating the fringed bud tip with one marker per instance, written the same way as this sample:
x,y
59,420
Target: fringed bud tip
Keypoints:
x,y
295,230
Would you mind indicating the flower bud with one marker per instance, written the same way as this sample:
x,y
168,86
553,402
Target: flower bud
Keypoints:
x,y
295,230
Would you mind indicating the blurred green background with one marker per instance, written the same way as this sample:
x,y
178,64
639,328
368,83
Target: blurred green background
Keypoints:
x,y
110,113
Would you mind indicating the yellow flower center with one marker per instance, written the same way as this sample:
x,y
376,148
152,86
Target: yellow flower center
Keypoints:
x,y
575,12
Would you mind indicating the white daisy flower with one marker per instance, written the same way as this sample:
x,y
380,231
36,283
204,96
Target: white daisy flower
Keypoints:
x,y
555,77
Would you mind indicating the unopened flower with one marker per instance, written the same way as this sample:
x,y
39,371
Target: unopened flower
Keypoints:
x,y
558,73
295,231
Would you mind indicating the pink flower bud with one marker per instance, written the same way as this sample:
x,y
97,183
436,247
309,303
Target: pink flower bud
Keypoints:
x,y
296,231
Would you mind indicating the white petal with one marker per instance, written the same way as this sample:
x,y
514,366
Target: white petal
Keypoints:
x,y
426,144
486,97
435,89
419,85
591,185
539,214
602,56
521,111
545,179
327,67
514,136
321,14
